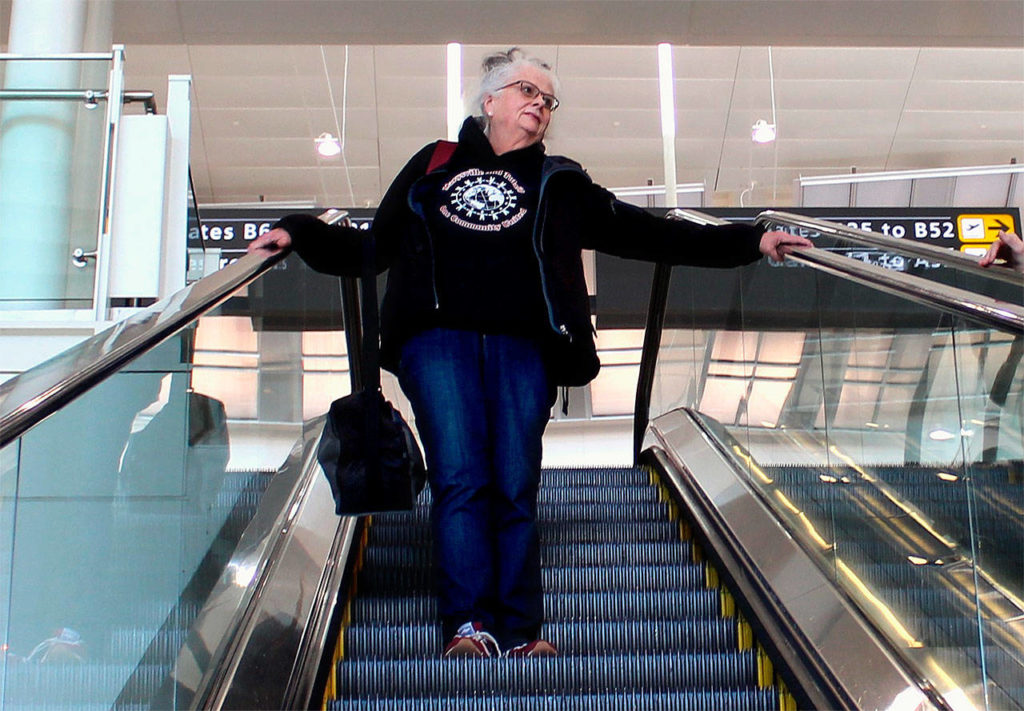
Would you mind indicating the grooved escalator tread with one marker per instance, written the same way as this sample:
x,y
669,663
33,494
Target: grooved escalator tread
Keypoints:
x,y
628,609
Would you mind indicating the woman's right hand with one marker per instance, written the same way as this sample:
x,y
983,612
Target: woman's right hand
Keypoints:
x,y
1007,246
271,242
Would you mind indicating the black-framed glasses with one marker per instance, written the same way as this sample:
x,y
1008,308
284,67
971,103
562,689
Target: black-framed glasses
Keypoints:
x,y
532,91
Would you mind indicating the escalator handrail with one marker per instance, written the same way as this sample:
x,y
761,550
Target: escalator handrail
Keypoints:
x,y
28,398
995,313
992,312
948,257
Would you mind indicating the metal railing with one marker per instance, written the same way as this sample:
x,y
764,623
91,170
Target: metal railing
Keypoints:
x,y
951,258
991,312
90,97
28,398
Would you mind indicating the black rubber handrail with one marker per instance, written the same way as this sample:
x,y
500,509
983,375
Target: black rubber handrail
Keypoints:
x,y
991,312
28,398
865,238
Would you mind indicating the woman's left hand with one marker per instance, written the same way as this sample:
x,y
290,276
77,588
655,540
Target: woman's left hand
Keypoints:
x,y
776,245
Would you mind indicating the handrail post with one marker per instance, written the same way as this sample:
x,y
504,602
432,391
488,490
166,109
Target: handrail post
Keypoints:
x,y
649,355
652,334
115,89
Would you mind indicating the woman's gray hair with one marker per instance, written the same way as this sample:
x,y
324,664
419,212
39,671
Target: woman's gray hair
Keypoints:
x,y
500,68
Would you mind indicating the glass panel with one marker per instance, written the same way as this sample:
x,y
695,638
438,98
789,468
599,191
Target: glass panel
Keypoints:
x,y
8,489
120,511
888,437
51,171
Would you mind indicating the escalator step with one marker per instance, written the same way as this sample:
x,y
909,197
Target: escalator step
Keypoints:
x,y
573,477
392,532
555,676
739,700
559,555
412,579
402,609
598,494
607,513
572,638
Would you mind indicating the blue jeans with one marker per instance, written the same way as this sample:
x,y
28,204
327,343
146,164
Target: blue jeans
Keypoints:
x,y
482,402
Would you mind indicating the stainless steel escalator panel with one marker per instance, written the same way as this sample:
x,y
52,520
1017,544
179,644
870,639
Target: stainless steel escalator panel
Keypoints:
x,y
864,669
258,641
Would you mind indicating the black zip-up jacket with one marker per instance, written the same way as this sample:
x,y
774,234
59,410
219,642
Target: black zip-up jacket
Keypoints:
x,y
573,214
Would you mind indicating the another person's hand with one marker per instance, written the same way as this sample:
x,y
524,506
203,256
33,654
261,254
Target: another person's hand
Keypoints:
x,y
271,242
776,245
1007,246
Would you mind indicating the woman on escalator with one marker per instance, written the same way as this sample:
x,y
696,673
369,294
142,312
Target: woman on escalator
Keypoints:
x,y
486,312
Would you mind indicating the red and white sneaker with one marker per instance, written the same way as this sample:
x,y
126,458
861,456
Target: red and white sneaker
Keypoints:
x,y
536,648
472,641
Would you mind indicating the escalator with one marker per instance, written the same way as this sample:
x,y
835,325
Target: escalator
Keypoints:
x,y
679,583
627,601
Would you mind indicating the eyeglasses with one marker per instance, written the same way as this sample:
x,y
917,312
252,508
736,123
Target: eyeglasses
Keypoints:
x,y
531,91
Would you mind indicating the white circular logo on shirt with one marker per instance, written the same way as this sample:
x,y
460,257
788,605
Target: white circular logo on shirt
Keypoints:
x,y
485,201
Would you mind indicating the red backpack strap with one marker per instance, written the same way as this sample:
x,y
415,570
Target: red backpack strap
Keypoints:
x,y
443,151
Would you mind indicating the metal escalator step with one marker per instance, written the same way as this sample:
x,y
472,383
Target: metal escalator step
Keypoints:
x,y
556,676
424,641
409,533
403,609
729,700
573,477
584,495
607,513
383,577
608,554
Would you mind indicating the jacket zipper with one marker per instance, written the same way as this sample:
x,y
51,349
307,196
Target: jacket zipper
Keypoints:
x,y
430,243
559,328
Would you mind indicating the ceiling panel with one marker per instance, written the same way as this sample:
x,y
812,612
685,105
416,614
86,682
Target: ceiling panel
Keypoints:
x,y
869,84
971,64
843,63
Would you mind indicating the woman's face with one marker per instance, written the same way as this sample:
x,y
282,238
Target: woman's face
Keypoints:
x,y
512,113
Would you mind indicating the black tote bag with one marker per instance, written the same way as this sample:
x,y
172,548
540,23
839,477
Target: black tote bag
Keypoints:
x,y
367,450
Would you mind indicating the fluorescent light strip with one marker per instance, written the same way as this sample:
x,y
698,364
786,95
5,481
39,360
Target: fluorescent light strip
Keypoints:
x,y
668,121
632,191
847,178
456,109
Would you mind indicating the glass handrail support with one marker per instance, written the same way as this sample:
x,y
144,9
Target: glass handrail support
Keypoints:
x,y
893,452
130,466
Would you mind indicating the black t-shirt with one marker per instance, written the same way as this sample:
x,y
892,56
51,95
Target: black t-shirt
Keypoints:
x,y
481,217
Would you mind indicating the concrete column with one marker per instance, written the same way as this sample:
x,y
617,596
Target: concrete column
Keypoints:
x,y
36,141
90,130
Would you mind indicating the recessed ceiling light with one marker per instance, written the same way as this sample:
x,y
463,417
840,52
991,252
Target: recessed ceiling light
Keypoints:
x,y
327,145
762,131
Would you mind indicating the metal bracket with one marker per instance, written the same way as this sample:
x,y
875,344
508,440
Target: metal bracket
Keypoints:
x,y
80,258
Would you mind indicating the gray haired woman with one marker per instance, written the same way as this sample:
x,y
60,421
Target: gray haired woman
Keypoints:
x,y
486,312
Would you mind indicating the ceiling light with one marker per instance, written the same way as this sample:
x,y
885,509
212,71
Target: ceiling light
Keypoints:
x,y
941,435
762,131
456,109
327,145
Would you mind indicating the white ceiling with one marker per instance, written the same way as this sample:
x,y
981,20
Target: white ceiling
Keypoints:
x,y
871,84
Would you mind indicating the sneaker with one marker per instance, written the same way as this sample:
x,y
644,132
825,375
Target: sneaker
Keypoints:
x,y
536,648
472,641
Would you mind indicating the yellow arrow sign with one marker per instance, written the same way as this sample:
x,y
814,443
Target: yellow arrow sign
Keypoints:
x,y
982,228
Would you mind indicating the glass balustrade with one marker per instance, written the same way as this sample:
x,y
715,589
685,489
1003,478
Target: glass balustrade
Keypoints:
x,y
120,512
888,437
51,176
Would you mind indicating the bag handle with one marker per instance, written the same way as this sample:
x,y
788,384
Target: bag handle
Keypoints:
x,y
371,320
